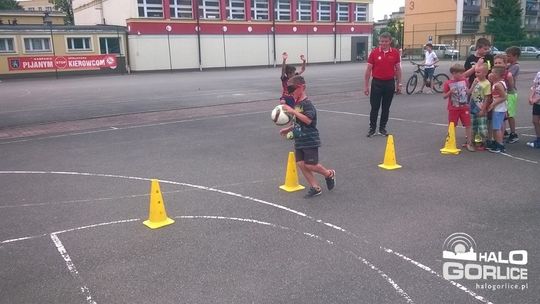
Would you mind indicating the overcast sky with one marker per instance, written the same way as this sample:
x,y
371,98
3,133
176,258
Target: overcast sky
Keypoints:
x,y
385,7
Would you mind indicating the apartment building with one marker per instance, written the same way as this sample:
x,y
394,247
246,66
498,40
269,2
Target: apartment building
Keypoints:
x,y
37,5
187,34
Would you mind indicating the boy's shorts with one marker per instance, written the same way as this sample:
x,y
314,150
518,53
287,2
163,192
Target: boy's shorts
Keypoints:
x,y
310,156
512,104
536,109
289,100
463,114
497,120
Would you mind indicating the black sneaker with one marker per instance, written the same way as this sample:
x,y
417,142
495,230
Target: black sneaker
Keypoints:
x,y
512,138
331,180
313,192
383,132
371,132
506,134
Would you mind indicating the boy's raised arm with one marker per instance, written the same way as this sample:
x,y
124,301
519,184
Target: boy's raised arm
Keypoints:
x,y
303,67
284,56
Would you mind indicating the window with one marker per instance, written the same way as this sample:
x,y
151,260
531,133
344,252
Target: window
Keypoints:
x,y
109,45
304,10
150,8
6,45
79,44
37,44
323,12
48,9
209,9
181,9
31,9
283,10
236,10
360,12
259,10
486,19
342,12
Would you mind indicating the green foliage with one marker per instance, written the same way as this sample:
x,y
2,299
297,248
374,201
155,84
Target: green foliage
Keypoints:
x,y
505,21
64,6
395,28
9,5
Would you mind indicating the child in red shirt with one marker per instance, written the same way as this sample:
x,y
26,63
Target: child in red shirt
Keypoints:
x,y
455,90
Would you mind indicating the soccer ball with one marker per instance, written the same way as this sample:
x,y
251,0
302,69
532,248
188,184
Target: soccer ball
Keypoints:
x,y
279,116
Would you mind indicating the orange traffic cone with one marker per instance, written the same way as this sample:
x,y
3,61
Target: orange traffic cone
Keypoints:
x,y
390,162
450,145
291,177
157,216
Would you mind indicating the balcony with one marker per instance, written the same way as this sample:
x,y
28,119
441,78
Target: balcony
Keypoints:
x,y
470,27
471,9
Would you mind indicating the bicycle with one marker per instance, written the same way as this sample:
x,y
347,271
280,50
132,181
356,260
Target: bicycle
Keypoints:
x,y
436,84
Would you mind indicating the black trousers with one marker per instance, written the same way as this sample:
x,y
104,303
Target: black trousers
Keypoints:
x,y
382,92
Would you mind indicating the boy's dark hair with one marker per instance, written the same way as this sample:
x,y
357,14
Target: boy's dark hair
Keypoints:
x,y
297,80
514,51
456,68
501,56
290,69
482,42
430,45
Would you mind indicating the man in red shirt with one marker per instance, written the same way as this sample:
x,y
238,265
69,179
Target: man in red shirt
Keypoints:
x,y
384,64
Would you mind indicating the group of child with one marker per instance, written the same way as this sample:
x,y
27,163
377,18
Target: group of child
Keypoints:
x,y
488,98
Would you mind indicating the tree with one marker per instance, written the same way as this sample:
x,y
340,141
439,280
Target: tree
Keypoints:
x,y
10,5
66,7
505,21
395,28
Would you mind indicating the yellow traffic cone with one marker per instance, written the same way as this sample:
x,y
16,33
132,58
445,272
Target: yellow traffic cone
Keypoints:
x,y
450,145
390,162
157,216
291,177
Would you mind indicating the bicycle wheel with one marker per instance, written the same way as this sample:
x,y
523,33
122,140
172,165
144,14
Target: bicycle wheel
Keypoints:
x,y
411,84
438,82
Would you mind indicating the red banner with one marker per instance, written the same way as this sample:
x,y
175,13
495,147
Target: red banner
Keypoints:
x,y
92,62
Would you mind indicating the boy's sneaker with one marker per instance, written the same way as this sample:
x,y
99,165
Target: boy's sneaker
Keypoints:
x,y
506,134
371,132
313,192
498,148
534,144
470,148
383,131
490,144
331,180
512,138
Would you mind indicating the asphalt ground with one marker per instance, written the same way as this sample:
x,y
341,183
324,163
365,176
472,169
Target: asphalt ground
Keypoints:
x,y
74,197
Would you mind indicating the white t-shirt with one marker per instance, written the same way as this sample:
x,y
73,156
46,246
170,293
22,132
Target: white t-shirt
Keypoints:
x,y
430,59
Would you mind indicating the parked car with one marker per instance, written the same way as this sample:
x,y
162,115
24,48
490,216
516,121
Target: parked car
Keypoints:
x,y
494,51
530,51
445,51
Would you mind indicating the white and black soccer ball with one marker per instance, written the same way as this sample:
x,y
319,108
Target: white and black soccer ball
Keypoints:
x,y
279,116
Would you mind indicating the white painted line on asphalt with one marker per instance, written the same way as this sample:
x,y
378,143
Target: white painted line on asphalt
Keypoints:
x,y
72,269
429,123
187,185
426,268
391,118
388,279
97,225
22,239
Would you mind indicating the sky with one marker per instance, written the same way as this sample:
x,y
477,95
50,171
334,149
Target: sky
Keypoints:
x,y
385,7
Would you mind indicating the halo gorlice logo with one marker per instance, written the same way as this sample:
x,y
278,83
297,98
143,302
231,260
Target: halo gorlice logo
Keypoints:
x,y
471,264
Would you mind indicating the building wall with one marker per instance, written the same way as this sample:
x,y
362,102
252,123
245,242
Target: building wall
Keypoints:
x,y
60,42
424,18
112,12
23,17
36,5
223,42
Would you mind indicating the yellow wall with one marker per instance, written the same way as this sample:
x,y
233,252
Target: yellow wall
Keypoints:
x,y
424,18
60,46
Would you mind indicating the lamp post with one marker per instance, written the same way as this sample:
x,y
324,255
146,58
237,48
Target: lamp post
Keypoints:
x,y
47,20
168,28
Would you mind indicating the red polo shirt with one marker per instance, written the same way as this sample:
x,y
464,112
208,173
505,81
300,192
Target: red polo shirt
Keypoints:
x,y
384,63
